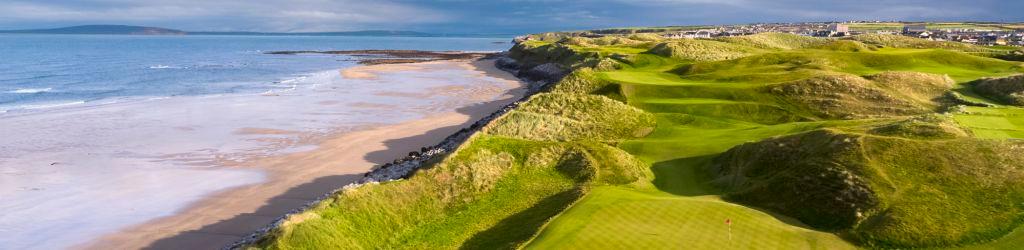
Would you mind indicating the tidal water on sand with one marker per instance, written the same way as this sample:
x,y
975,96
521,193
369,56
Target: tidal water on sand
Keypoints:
x,y
102,132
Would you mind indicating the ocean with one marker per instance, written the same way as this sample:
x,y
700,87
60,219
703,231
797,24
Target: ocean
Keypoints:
x,y
102,132
53,71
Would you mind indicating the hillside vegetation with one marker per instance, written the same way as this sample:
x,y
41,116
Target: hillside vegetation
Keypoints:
x,y
1009,90
964,190
801,143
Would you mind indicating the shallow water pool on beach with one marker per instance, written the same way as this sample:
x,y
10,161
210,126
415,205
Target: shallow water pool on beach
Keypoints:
x,y
103,132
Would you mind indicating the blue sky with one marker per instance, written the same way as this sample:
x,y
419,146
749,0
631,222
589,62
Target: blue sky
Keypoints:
x,y
466,16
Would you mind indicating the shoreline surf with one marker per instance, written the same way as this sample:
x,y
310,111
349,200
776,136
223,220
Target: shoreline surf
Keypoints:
x,y
297,178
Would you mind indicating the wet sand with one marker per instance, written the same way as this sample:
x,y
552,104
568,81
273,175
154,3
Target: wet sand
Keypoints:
x,y
298,178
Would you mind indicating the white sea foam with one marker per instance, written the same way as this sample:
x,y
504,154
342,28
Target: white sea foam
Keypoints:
x,y
161,66
103,148
30,90
50,105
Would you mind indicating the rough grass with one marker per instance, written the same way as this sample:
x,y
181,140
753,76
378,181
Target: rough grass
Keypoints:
x,y
965,190
701,50
696,122
1009,90
586,81
930,126
815,177
533,53
770,40
569,117
443,207
639,153
844,45
921,88
897,41
495,192
606,41
794,65
843,96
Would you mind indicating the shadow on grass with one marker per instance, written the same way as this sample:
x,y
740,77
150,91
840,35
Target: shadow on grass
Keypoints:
x,y
515,230
687,177
684,176
224,232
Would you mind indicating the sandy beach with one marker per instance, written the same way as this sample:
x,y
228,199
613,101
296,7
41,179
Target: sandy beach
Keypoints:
x,y
339,158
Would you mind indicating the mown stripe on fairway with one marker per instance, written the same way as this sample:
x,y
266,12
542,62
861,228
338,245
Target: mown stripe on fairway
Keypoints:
x,y
993,123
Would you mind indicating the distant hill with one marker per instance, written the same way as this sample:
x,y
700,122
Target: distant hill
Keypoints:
x,y
102,29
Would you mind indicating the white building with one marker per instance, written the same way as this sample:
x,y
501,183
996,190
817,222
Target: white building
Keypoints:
x,y
692,34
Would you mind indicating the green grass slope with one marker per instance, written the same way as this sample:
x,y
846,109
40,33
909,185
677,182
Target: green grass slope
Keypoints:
x,y
769,40
1009,90
851,97
494,192
897,41
652,143
701,50
867,93
869,186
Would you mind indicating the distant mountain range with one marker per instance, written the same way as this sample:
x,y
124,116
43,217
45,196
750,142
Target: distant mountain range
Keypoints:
x,y
141,30
102,29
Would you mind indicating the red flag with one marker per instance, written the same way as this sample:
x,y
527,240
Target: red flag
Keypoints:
x,y
728,222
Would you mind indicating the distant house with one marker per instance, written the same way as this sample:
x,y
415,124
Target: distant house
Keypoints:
x,y
988,39
839,28
702,34
691,34
914,29
1000,41
832,30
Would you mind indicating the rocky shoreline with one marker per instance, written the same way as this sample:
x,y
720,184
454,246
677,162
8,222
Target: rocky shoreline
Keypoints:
x,y
537,79
375,57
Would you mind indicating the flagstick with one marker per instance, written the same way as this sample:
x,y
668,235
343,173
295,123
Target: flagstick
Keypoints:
x,y
728,222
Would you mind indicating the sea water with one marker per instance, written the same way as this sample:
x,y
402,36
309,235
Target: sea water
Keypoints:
x,y
102,132
47,71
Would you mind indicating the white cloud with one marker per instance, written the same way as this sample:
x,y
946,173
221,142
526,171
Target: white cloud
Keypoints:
x,y
279,15
479,15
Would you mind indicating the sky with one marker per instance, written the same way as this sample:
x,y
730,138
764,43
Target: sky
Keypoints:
x,y
467,16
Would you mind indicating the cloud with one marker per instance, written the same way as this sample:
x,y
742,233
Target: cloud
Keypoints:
x,y
481,16
296,15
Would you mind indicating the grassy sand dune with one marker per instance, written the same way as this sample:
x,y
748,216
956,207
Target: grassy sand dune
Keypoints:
x,y
803,143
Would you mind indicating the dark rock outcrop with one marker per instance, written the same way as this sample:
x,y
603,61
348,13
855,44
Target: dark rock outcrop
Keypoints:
x,y
544,72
